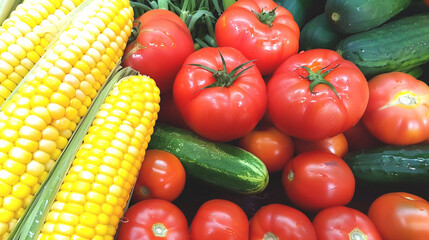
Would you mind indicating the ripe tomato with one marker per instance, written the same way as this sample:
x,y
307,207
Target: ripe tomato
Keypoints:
x,y
358,137
153,219
398,110
220,219
216,105
278,221
336,145
340,222
161,176
304,112
159,14
273,147
316,180
260,29
161,47
400,215
168,111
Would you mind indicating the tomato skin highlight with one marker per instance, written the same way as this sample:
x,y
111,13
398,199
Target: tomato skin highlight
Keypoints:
x,y
316,180
281,221
240,28
142,216
219,113
398,109
220,219
161,47
161,176
341,222
273,147
300,113
400,215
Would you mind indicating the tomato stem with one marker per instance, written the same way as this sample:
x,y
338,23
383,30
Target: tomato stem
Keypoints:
x,y
223,78
267,17
319,78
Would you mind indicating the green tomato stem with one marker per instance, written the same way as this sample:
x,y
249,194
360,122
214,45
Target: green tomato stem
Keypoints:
x,y
319,78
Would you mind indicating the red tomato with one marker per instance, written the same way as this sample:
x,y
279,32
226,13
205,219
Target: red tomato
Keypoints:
x,y
160,14
153,219
230,108
304,112
278,221
260,29
168,111
358,137
341,223
336,145
161,176
273,147
426,2
400,216
316,180
220,219
398,110
161,47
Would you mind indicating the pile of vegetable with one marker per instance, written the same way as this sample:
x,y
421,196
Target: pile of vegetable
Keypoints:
x,y
246,119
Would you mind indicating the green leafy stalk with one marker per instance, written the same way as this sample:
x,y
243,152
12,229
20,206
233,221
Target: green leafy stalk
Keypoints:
x,y
31,223
227,3
6,7
199,16
163,4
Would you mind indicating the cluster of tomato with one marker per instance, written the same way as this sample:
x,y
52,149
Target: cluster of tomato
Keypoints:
x,y
300,113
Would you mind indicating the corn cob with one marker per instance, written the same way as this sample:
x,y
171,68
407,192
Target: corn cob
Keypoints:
x,y
96,189
24,37
37,121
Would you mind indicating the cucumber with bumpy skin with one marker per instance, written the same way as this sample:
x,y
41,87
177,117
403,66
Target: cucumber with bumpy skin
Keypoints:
x,y
394,46
220,164
391,164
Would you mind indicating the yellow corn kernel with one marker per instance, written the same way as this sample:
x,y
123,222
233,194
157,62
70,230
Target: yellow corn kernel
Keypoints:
x,y
21,190
44,112
97,179
23,39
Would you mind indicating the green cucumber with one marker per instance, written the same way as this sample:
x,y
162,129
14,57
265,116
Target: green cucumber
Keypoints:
x,y
391,164
394,46
220,164
302,10
318,33
352,16
416,72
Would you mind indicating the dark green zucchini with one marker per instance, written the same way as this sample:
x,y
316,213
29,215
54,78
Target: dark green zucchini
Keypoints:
x,y
391,164
394,46
220,164
353,16
318,33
